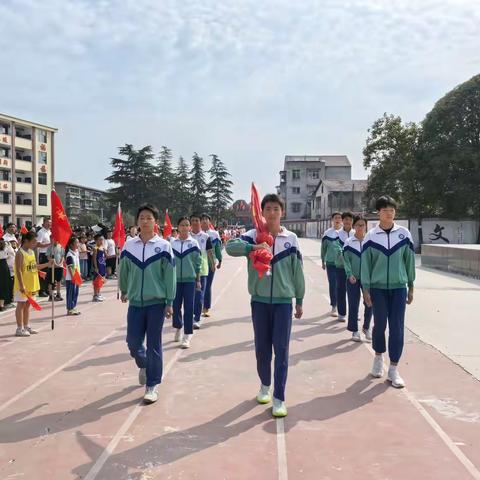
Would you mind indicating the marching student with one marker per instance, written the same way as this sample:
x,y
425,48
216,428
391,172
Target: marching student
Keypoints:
x,y
341,278
388,267
272,299
217,246
208,261
73,265
329,255
147,280
99,266
26,283
188,262
352,251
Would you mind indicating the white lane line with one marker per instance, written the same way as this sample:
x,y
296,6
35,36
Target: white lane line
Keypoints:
x,y
450,444
281,450
54,372
98,465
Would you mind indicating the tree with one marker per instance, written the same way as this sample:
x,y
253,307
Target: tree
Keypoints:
x,y
451,139
198,185
181,192
220,188
394,153
164,180
134,176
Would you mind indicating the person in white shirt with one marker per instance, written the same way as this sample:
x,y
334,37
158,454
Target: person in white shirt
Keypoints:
x,y
111,252
10,232
43,242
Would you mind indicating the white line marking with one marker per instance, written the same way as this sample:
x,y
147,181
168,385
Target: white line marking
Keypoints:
x,y
281,450
54,372
98,465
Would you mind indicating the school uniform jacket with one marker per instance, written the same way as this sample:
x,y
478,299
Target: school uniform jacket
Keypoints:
x,y
188,259
328,249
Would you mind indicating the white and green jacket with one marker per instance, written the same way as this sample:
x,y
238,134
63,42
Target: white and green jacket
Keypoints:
x,y
328,250
205,244
286,280
388,259
188,259
352,259
216,243
147,272
343,236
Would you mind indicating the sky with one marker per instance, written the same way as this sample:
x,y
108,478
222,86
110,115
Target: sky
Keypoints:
x,y
248,80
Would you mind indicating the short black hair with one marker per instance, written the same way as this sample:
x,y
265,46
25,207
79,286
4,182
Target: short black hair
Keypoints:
x,y
28,237
97,236
385,201
357,218
195,215
181,219
347,215
70,243
273,198
335,213
205,215
151,208
11,224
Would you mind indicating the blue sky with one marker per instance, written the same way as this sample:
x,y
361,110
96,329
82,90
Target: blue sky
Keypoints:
x,y
249,80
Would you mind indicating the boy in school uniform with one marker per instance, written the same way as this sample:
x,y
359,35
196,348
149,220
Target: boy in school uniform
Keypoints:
x,y
272,300
148,282
388,267
329,255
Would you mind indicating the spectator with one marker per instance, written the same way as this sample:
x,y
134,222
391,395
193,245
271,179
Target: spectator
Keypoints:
x,y
10,233
111,253
43,242
4,276
57,252
83,256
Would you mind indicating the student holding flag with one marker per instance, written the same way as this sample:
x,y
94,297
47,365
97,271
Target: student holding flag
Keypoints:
x,y
217,246
73,278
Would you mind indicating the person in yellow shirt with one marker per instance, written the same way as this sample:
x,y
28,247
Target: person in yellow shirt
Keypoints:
x,y
26,283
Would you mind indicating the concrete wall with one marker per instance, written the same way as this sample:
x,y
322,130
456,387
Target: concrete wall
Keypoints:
x,y
463,259
445,232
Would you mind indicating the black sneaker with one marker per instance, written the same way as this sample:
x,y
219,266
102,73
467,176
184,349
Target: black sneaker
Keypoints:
x,y
58,298
43,294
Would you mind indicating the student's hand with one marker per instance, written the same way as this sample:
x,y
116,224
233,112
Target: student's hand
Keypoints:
x,y
410,296
198,285
298,311
168,311
352,280
323,266
367,298
124,298
262,246
219,265
22,289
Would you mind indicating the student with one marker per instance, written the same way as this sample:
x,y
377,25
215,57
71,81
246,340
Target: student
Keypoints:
x,y
341,278
73,266
388,266
148,282
57,252
208,261
4,276
43,242
111,253
83,256
26,283
217,245
272,300
11,248
352,251
99,266
188,261
328,255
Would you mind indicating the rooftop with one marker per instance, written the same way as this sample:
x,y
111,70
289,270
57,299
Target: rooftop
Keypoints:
x,y
329,160
344,185
28,123
70,184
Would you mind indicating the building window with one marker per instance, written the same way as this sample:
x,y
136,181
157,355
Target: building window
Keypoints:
x,y
42,200
42,136
313,174
42,158
296,207
296,190
42,178
5,198
295,174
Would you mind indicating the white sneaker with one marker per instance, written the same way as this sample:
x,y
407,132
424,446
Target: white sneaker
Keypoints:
x,y
394,377
333,312
279,409
264,396
356,337
377,369
368,334
95,298
178,334
341,318
142,376
196,325
100,298
186,341
151,395
30,330
20,332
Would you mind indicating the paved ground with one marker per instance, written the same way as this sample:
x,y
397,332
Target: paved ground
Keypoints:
x,y
69,401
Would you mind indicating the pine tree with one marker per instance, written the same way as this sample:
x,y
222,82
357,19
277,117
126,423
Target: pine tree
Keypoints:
x,y
164,180
133,176
220,188
198,185
181,204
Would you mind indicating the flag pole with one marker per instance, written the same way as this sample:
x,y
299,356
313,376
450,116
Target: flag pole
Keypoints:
x,y
53,275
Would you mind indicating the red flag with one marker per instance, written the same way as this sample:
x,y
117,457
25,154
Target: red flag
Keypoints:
x,y
33,303
98,282
42,275
167,226
156,229
23,230
119,229
61,231
1,231
76,278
